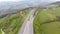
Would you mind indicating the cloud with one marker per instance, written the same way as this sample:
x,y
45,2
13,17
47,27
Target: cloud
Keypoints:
x,y
10,0
31,0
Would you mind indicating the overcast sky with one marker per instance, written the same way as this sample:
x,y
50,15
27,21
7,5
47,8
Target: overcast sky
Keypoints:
x,y
27,0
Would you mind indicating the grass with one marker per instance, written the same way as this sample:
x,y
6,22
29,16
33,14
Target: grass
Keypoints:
x,y
11,24
46,22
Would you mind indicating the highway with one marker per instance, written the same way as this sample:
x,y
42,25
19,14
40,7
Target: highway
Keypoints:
x,y
27,26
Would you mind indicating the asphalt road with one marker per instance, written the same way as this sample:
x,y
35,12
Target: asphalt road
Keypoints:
x,y
27,27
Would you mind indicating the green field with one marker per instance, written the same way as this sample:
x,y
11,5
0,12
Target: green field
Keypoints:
x,y
47,21
12,23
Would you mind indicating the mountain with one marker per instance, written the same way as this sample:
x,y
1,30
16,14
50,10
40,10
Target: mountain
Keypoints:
x,y
12,7
56,3
21,4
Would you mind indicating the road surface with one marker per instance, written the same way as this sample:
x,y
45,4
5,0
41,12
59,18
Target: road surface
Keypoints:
x,y
2,32
27,27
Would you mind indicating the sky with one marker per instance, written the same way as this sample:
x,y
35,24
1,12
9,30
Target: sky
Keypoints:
x,y
9,0
26,0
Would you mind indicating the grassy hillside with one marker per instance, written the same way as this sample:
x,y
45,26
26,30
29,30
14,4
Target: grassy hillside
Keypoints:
x,y
47,21
12,23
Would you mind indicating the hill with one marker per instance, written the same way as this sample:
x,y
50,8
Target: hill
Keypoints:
x,y
57,3
11,23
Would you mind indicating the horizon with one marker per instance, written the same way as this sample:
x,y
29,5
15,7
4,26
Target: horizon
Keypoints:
x,y
28,0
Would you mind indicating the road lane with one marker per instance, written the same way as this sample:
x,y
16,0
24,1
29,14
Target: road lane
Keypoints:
x,y
27,27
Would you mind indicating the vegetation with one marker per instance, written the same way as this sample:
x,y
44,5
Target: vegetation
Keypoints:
x,y
12,23
47,22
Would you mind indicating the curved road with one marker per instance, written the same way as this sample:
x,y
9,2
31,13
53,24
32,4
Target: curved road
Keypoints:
x,y
27,27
